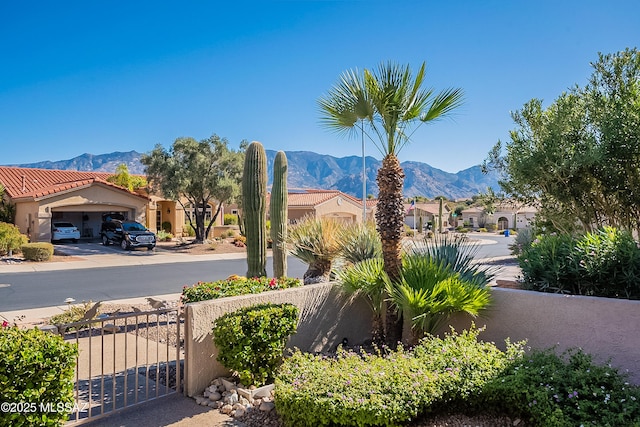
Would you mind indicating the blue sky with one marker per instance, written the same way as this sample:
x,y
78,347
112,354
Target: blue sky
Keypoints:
x,y
103,76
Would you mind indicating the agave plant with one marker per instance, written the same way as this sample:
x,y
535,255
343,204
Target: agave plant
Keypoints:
x,y
367,279
360,242
430,291
317,243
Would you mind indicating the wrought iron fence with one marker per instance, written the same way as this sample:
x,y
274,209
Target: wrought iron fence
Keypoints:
x,y
125,360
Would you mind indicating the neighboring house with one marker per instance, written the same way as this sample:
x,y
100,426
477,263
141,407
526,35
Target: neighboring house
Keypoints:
x,y
506,215
327,204
42,196
321,204
428,212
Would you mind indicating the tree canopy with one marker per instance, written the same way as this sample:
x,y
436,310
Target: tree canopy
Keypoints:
x,y
124,179
578,160
202,172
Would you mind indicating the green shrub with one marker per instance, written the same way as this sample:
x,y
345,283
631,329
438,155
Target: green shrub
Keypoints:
x,y
234,286
522,241
482,230
36,367
41,251
74,313
189,230
601,263
230,219
251,340
491,227
164,236
166,227
567,390
10,238
359,389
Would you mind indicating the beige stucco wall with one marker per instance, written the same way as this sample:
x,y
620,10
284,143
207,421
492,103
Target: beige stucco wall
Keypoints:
x,y
326,317
605,327
96,198
341,209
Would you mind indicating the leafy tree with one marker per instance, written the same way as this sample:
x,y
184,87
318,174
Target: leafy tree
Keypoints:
x,y
10,238
392,103
124,179
7,210
201,172
578,160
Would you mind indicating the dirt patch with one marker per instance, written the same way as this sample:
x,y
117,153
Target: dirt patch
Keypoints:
x,y
189,247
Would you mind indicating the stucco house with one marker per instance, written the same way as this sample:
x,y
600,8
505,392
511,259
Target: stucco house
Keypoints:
x,y
42,196
506,215
428,213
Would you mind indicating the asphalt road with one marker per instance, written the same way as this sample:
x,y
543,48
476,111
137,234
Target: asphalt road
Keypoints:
x,y
48,288
25,290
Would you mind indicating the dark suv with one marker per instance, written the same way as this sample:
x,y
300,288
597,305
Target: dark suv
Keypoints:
x,y
127,234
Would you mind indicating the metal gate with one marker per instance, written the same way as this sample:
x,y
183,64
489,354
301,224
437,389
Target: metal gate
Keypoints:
x,y
125,360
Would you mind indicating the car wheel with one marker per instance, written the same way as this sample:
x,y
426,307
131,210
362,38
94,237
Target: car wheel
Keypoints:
x,y
105,240
124,245
74,240
150,247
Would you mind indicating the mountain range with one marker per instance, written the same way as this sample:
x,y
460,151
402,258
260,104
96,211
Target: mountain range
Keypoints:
x,y
312,170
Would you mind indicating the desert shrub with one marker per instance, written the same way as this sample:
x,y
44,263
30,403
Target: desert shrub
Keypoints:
x,y
605,263
523,241
316,242
566,390
491,227
234,286
482,230
10,238
74,313
164,236
251,340
230,219
35,367
240,239
189,230
166,226
41,251
360,389
360,242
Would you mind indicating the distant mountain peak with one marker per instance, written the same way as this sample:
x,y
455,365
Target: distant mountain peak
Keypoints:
x,y
308,169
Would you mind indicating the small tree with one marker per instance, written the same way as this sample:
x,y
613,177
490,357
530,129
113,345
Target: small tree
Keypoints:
x,y
201,172
7,210
124,179
10,238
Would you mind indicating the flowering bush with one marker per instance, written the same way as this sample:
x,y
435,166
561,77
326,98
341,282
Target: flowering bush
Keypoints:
x,y
234,286
566,390
360,389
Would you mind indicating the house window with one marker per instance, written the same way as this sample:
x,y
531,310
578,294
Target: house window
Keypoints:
x,y
189,212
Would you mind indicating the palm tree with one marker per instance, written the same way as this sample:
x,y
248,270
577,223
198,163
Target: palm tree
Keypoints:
x,y
392,104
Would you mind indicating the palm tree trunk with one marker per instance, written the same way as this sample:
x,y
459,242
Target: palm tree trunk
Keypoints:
x,y
390,222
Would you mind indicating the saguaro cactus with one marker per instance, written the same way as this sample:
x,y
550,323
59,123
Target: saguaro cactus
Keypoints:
x,y
278,214
254,205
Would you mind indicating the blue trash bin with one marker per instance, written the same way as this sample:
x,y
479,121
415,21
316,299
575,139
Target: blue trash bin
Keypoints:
x,y
506,233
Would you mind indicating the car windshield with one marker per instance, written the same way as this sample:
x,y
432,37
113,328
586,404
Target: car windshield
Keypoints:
x,y
63,225
133,226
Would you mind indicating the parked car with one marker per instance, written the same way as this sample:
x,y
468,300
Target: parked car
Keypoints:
x,y
127,234
62,230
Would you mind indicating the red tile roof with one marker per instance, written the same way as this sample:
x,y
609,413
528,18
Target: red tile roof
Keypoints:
x,y
35,183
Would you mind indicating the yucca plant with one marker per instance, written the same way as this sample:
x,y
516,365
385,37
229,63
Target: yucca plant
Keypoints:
x,y
361,241
457,253
430,291
367,279
317,243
